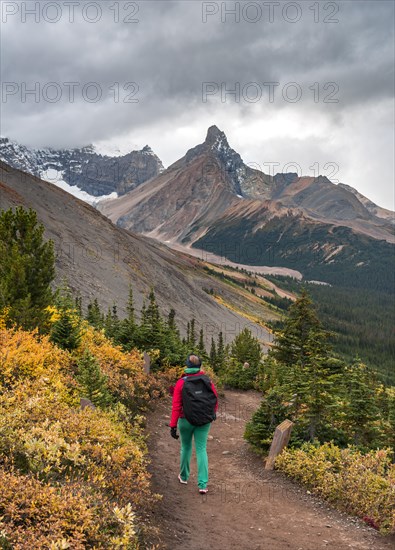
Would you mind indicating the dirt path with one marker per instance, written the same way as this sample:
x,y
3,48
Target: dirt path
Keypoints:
x,y
246,508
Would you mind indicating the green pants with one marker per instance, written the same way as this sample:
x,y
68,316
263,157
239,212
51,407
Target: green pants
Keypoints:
x,y
200,434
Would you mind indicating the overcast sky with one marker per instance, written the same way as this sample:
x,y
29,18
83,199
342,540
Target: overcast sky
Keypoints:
x,y
313,82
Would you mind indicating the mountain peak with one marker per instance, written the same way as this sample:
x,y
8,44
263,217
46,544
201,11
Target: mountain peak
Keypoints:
x,y
214,135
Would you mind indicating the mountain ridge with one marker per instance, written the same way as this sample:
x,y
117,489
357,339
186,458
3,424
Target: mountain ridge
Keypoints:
x,y
84,168
214,163
209,199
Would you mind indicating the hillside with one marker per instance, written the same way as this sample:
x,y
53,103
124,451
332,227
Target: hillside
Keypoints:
x,y
336,254
99,260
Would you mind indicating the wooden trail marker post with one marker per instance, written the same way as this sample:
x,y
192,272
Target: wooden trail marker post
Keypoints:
x,y
280,440
147,363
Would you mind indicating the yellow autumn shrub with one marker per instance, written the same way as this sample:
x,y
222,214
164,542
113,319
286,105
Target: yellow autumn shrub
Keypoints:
x,y
26,355
360,484
80,475
127,380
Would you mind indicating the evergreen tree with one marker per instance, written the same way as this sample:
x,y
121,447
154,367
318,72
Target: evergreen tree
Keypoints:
x,y
221,353
173,350
213,355
361,411
66,330
201,349
112,324
150,334
246,348
171,320
192,335
245,357
27,268
94,314
292,342
302,372
391,419
271,412
188,337
127,333
78,306
93,382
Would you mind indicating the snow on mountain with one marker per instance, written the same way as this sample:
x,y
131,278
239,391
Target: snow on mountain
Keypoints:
x,y
56,177
85,169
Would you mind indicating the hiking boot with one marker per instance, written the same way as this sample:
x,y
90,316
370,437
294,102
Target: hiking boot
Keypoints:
x,y
181,480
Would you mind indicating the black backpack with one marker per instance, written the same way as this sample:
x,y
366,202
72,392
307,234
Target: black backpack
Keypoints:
x,y
198,400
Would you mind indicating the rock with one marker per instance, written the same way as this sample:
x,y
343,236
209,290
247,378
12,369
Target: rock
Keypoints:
x,y
210,437
226,452
86,403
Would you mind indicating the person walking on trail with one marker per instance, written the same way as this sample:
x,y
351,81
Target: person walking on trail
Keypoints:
x,y
194,407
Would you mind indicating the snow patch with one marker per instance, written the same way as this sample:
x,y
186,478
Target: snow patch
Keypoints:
x,y
56,177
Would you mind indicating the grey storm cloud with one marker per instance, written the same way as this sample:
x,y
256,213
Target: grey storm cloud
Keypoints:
x,y
177,47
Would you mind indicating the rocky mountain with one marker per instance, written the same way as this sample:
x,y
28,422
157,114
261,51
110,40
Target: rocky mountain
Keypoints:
x,y
84,170
192,192
99,259
211,199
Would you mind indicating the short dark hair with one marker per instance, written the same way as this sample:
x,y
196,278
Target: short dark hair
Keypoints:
x,y
193,361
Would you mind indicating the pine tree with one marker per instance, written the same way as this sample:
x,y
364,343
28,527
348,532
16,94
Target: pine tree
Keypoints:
x,y
78,306
246,348
27,268
150,334
112,324
66,331
188,336
94,314
127,333
245,357
192,335
174,350
213,355
271,412
301,370
391,419
361,410
291,343
93,382
221,353
201,349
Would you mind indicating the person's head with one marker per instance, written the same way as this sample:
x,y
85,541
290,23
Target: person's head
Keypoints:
x,y
246,365
193,362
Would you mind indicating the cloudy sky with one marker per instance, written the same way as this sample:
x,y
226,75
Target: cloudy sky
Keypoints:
x,y
305,82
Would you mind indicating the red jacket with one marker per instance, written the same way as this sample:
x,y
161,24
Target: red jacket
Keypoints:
x,y
176,410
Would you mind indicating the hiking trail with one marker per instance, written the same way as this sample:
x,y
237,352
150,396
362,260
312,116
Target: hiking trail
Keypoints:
x,y
246,508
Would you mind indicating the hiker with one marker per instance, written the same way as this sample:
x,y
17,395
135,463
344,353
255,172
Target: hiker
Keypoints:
x,y
194,397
